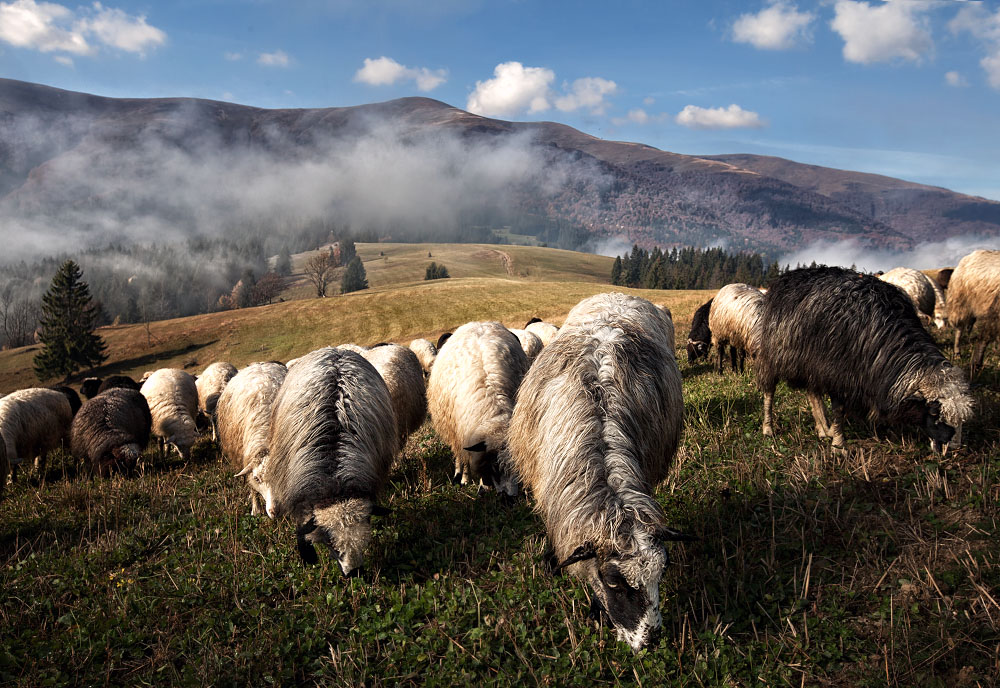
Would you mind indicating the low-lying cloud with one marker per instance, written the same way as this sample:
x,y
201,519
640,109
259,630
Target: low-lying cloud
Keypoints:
x,y
732,117
937,254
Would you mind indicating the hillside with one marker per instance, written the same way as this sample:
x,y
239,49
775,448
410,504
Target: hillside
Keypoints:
x,y
126,169
283,331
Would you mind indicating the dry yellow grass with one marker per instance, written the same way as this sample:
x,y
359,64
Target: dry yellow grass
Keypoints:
x,y
286,330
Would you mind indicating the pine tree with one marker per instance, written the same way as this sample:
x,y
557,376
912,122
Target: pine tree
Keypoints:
x,y
616,271
355,278
69,318
347,251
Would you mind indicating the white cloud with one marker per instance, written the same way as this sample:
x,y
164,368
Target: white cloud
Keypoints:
x,y
882,32
117,29
779,26
51,27
233,57
227,95
588,92
513,89
64,60
279,58
44,26
977,20
955,79
732,117
385,71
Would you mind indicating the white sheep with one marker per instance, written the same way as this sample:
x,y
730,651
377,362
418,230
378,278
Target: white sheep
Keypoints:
x,y
33,422
173,401
918,287
974,298
530,342
332,440
470,396
426,352
596,425
400,369
543,330
243,418
734,319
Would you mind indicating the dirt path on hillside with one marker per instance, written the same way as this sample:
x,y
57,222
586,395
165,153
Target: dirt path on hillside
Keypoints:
x,y
502,256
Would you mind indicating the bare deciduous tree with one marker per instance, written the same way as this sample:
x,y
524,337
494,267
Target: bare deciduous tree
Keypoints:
x,y
319,270
20,316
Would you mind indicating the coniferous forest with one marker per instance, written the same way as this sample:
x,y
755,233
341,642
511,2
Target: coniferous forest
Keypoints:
x,y
691,268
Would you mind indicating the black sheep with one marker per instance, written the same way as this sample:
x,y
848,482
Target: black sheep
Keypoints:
x,y
700,339
112,428
857,339
118,382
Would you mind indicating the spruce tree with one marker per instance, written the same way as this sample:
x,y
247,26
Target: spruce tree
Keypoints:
x,y
69,318
355,278
283,265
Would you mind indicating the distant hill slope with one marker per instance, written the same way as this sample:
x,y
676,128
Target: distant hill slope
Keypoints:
x,y
917,210
63,152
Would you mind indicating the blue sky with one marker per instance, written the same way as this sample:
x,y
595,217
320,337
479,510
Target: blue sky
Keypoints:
x,y
906,88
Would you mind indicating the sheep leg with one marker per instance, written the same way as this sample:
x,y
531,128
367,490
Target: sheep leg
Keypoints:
x,y
721,353
978,354
734,359
958,337
837,426
768,429
819,414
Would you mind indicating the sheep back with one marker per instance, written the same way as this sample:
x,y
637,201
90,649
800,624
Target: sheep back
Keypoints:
x,y
425,351
734,317
598,421
543,330
113,427
530,343
173,401
916,285
243,413
403,376
471,393
33,422
974,293
332,435
210,384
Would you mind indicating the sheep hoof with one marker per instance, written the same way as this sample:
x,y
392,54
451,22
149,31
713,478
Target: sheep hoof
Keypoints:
x,y
768,431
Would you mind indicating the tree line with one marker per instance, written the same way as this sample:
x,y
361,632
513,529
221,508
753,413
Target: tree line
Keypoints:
x,y
691,268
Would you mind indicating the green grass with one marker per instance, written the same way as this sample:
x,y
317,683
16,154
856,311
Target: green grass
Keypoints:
x,y
811,569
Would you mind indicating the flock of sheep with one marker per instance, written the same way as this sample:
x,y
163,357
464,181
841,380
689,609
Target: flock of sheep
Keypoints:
x,y
586,417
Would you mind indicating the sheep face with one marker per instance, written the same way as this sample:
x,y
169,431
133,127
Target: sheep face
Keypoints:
x,y
627,591
696,350
345,527
256,482
942,406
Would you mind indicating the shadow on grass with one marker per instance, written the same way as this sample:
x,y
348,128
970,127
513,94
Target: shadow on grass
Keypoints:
x,y
145,361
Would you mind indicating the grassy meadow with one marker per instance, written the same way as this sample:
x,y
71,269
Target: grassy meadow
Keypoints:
x,y
879,568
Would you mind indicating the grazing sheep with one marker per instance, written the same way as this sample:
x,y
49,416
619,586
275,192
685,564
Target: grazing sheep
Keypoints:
x,y
173,400
332,440
71,396
918,287
734,321
210,384
596,425
243,421
118,382
700,340
90,387
353,347
33,422
859,340
426,352
111,429
543,330
530,343
974,297
470,396
401,371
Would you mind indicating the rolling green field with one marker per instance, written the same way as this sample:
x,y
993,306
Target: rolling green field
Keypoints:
x,y
879,568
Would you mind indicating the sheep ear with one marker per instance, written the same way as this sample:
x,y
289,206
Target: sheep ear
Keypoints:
x,y
477,447
532,321
442,339
666,534
581,553
379,510
306,549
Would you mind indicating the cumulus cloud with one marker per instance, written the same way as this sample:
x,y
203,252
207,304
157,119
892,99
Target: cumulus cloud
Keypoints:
x,y
779,26
955,79
115,28
882,32
51,27
515,88
279,58
589,93
732,117
64,60
385,71
980,23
